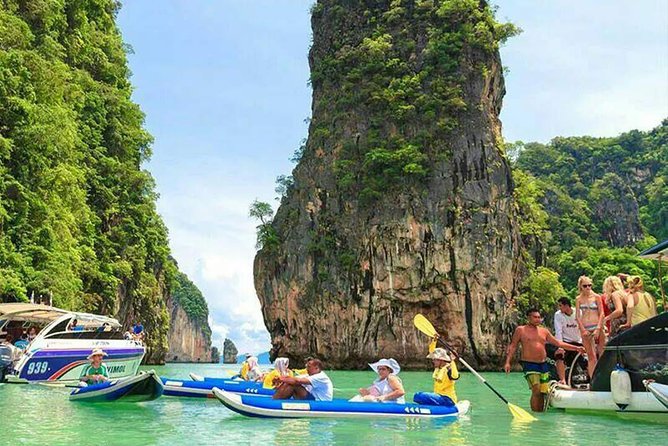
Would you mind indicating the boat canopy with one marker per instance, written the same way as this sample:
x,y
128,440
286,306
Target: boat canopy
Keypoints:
x,y
657,252
44,315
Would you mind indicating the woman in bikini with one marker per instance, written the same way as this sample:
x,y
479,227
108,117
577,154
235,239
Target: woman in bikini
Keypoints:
x,y
589,316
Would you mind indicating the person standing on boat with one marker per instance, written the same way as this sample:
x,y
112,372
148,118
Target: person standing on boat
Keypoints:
x,y
316,385
138,331
388,386
445,374
617,302
641,305
589,315
532,338
96,372
565,330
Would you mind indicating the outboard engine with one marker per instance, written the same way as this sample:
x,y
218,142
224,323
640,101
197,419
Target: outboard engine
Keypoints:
x,y
620,386
5,361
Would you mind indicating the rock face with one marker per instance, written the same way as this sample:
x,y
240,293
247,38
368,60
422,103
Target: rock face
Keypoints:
x,y
230,352
188,341
402,201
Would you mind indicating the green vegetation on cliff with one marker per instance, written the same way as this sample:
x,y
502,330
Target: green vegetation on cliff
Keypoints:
x,y
190,298
589,206
401,72
77,212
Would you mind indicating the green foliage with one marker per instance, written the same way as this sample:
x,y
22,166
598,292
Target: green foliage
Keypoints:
x,y
542,290
77,213
400,70
266,234
190,298
563,189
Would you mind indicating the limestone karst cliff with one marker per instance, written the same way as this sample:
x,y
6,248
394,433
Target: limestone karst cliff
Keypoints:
x,y
230,352
402,200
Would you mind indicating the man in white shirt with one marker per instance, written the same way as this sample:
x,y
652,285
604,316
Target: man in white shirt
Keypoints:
x,y
566,330
315,386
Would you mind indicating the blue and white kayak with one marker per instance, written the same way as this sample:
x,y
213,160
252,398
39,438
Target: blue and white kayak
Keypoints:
x,y
203,389
146,386
254,406
196,377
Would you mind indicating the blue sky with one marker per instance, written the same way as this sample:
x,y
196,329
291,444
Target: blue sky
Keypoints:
x,y
224,85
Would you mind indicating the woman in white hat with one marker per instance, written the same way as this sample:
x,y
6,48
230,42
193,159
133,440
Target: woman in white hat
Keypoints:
x,y
96,372
445,374
388,386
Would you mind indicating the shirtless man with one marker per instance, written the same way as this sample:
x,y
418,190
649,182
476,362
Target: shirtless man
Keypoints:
x,y
533,338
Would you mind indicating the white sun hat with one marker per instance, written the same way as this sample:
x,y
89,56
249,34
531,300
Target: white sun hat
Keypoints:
x,y
391,363
439,353
97,351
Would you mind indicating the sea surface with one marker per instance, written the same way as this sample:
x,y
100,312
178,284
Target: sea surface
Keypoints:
x,y
37,415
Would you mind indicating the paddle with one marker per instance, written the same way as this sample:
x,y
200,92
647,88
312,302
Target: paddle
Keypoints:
x,y
422,324
58,385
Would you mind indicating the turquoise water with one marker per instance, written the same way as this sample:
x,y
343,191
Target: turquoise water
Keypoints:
x,y
35,415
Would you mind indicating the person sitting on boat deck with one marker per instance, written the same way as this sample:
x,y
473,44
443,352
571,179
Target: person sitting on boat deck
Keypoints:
x,y
254,373
270,379
445,374
138,331
315,385
96,372
532,337
641,305
565,330
15,352
243,372
388,387
617,302
32,333
22,343
74,326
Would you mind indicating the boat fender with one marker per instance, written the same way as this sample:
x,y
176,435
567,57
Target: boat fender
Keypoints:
x,y
620,386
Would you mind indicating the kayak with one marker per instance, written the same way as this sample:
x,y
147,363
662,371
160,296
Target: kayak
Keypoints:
x,y
196,377
145,386
660,391
203,389
254,406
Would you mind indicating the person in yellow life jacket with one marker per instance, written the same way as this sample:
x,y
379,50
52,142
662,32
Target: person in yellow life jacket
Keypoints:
x,y
280,369
243,373
445,374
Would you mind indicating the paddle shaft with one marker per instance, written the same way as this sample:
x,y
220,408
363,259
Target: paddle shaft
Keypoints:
x,y
477,375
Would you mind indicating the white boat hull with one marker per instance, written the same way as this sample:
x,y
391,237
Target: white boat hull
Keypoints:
x,y
603,402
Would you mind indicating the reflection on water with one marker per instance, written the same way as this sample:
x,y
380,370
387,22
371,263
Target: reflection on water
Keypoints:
x,y
38,415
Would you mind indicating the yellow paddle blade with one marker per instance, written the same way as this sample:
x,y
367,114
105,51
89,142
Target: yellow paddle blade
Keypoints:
x,y
422,324
520,414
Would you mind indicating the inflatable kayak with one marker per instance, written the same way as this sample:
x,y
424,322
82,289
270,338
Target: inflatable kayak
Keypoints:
x,y
254,406
203,389
146,386
196,377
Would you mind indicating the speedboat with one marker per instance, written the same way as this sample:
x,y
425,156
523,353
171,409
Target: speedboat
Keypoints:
x,y
146,386
59,351
630,360
258,406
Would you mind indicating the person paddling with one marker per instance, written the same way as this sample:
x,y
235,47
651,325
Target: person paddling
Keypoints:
x,y
316,385
532,337
96,372
445,374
